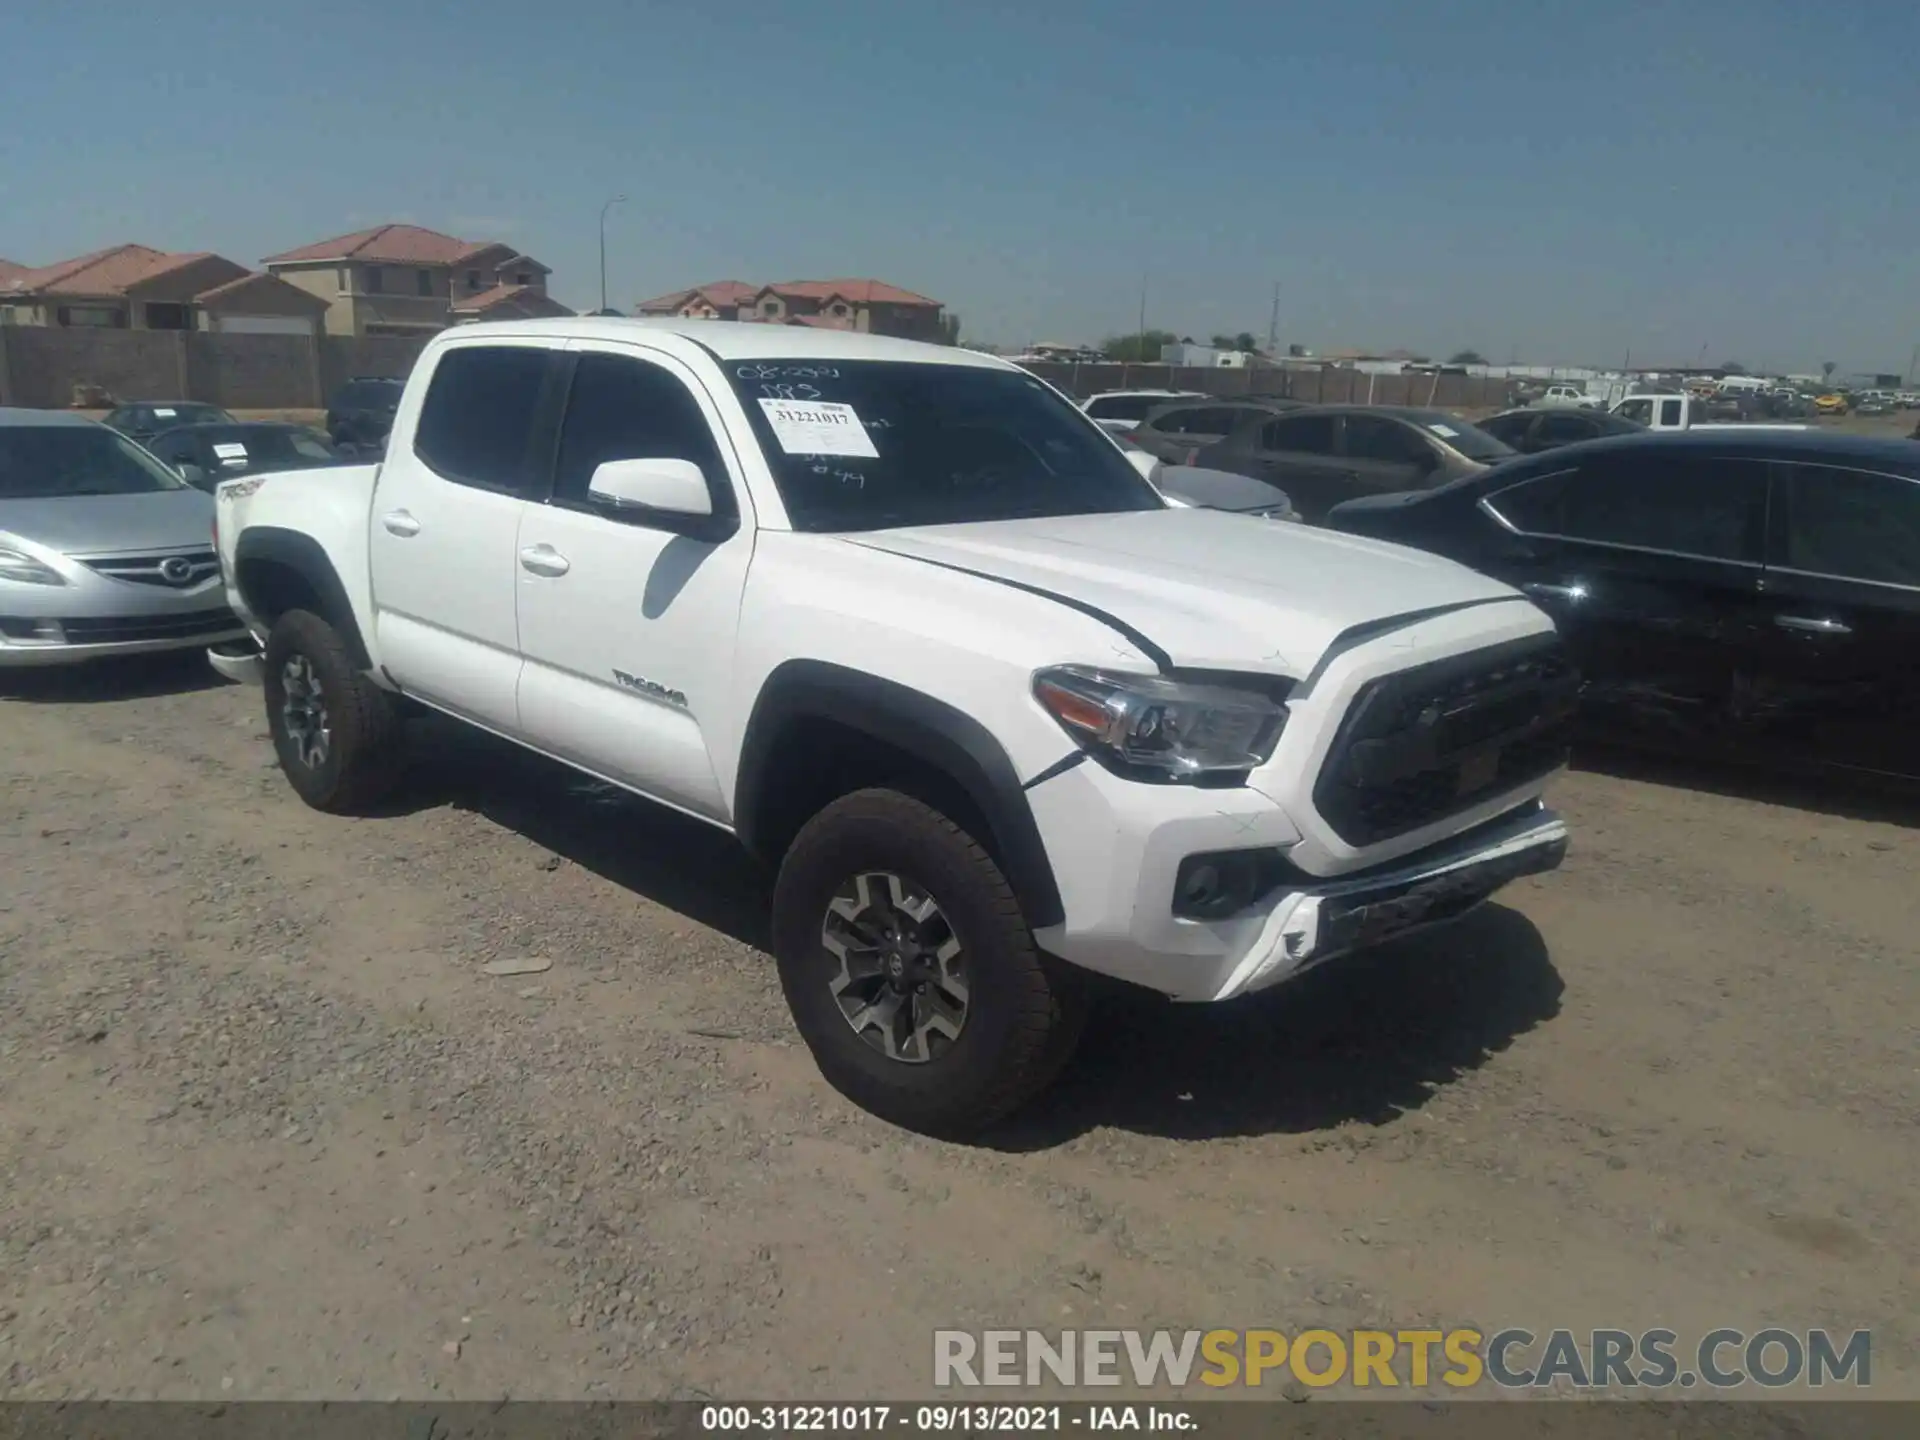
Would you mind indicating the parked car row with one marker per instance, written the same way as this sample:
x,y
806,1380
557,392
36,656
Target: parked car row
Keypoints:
x,y
105,527
988,687
1749,593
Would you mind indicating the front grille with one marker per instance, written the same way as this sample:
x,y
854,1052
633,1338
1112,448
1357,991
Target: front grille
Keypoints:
x,y
110,630
1438,739
170,570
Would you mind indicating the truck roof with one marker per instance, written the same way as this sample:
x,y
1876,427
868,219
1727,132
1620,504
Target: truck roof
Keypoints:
x,y
736,340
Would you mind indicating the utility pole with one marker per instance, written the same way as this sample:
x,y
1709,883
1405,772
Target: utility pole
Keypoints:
x,y
1273,322
616,200
1913,364
1142,331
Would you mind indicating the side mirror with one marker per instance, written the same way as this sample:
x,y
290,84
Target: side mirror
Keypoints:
x,y
668,487
1148,465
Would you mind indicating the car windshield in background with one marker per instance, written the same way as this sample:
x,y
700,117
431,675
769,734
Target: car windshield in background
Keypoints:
x,y
1470,440
864,445
52,462
1124,407
168,416
270,449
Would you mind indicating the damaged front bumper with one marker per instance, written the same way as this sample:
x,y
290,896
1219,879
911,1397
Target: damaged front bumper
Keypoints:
x,y
1310,926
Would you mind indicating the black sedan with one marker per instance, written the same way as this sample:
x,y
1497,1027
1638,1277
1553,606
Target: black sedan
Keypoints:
x,y
1530,431
1754,595
1178,431
143,419
204,455
1322,455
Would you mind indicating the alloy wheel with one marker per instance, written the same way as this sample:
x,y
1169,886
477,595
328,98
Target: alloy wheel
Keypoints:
x,y
901,981
303,712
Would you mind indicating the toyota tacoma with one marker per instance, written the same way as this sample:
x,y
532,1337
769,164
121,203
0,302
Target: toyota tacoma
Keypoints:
x,y
916,631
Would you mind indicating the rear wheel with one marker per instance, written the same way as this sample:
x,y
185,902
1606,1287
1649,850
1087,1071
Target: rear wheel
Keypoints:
x,y
910,970
338,735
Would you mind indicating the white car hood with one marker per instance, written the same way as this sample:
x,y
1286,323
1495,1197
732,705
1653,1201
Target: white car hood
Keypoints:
x,y
1208,589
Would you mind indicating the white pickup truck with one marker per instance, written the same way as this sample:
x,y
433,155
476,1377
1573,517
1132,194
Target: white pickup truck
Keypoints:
x,y
914,629
1681,412
1568,397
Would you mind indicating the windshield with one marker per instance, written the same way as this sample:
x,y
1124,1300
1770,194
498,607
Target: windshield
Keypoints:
x,y
239,450
49,462
864,445
1469,439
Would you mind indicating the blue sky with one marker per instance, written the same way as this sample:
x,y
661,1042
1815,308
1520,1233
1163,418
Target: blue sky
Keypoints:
x,y
1568,182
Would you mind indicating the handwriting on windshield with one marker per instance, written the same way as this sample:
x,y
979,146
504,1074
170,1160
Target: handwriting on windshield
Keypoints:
x,y
784,391
787,372
853,479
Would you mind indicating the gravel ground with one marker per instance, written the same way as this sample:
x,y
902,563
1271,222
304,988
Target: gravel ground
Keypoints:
x,y
269,1129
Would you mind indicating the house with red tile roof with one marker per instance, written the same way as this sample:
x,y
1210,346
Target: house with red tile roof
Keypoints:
x,y
871,306
409,280
135,287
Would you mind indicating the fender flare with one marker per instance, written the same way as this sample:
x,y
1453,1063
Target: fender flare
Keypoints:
x,y
306,557
911,721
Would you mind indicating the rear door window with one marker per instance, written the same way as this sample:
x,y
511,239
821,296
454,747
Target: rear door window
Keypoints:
x,y
478,420
1299,434
1373,437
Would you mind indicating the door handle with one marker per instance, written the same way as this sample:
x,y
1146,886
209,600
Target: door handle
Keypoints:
x,y
1570,593
1813,624
399,522
544,560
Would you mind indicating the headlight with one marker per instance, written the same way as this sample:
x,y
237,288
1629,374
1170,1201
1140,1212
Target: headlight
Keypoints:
x,y
20,566
1148,727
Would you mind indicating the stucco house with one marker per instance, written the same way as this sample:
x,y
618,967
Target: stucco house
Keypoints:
x,y
872,306
135,287
408,280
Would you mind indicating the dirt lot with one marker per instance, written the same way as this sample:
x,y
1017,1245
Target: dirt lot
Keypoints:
x,y
267,1129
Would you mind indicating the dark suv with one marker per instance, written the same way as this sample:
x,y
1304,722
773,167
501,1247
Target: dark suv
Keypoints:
x,y
362,412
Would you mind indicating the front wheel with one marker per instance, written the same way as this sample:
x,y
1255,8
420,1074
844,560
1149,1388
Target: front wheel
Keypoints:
x,y
910,970
338,735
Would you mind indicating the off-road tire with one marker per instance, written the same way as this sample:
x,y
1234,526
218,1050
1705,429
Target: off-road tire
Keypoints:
x,y
366,753
1025,1009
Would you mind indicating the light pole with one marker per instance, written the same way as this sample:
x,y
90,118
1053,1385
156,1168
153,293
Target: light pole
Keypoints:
x,y
616,200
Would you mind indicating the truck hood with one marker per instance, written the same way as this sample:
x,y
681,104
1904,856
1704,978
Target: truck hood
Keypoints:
x,y
1208,589
104,524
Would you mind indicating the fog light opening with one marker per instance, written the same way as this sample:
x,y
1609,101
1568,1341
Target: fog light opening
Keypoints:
x,y
1216,886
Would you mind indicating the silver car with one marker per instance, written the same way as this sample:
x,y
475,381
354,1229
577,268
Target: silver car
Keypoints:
x,y
103,550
